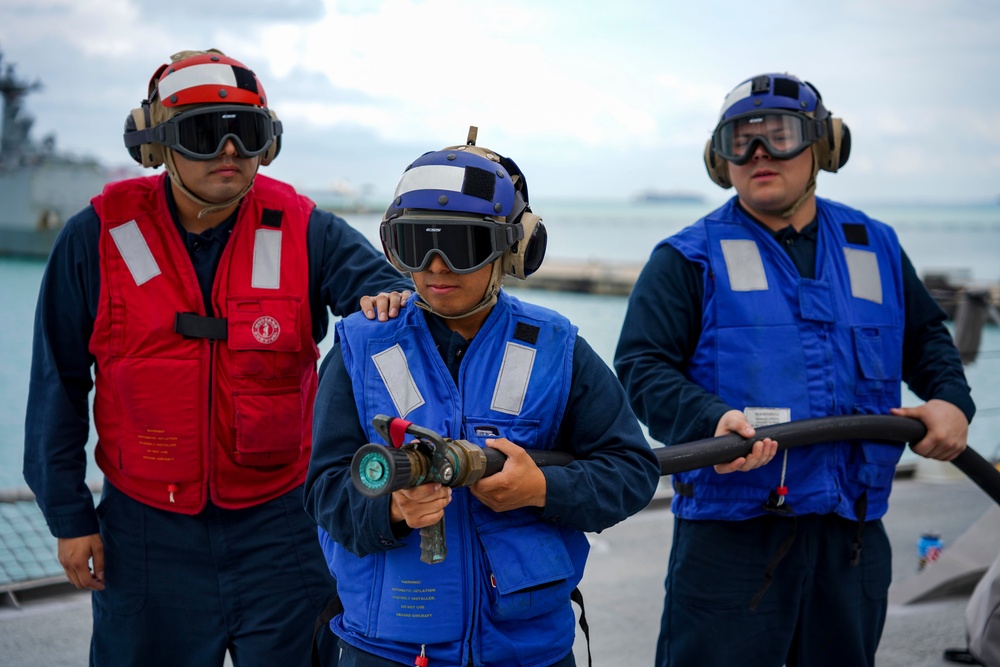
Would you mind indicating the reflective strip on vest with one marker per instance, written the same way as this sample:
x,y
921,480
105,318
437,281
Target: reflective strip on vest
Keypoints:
x,y
512,383
866,281
197,75
431,177
266,259
744,265
135,251
395,372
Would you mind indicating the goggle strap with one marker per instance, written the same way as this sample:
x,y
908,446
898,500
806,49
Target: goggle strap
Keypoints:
x,y
140,137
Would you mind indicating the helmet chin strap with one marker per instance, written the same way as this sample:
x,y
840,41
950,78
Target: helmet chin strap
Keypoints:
x,y
489,296
807,193
209,207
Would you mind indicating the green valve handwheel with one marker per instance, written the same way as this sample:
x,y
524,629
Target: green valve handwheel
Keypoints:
x,y
374,470
377,470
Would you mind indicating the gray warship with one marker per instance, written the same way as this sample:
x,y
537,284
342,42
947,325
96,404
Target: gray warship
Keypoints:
x,y
39,187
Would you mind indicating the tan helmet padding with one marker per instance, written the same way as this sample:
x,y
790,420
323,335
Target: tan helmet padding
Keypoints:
x,y
513,257
828,158
718,169
150,154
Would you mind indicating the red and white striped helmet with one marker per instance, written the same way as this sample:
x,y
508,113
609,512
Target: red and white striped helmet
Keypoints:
x,y
200,77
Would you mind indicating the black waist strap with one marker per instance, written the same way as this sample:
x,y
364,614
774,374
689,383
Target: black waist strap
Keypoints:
x,y
861,512
193,325
576,596
682,488
779,554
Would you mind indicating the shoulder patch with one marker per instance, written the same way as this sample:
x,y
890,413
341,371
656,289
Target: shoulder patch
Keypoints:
x,y
271,218
525,332
855,233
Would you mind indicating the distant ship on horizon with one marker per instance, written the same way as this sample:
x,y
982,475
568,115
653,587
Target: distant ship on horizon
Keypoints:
x,y
39,188
669,197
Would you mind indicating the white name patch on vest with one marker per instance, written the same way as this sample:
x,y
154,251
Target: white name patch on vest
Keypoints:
x,y
744,265
866,281
135,251
395,373
512,383
266,259
758,417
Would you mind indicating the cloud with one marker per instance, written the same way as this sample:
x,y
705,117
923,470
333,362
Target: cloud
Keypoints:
x,y
605,101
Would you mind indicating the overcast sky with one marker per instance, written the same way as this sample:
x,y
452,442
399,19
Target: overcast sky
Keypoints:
x,y
591,99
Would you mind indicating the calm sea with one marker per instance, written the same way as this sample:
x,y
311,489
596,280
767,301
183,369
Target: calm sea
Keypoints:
x,y
960,240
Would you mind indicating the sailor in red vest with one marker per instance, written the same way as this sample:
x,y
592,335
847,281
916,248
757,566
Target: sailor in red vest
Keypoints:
x,y
197,298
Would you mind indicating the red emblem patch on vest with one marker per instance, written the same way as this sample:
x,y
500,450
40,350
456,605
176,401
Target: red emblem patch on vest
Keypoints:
x,y
266,329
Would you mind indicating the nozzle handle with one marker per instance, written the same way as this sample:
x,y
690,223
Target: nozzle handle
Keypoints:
x,y
432,547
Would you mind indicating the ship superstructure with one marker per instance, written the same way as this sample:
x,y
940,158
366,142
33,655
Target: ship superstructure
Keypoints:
x,y
39,187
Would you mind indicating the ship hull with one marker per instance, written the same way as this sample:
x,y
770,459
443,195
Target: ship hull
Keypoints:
x,y
37,200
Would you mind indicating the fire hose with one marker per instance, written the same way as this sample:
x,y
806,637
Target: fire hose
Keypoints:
x,y
379,470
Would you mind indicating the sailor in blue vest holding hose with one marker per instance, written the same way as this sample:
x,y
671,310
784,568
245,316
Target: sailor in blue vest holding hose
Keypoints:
x,y
783,306
470,362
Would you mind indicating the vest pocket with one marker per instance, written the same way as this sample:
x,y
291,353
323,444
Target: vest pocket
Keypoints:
x,y
879,465
263,336
529,567
522,432
394,596
879,364
163,412
269,425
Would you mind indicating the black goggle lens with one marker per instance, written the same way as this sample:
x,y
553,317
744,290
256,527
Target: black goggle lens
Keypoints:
x,y
465,247
202,134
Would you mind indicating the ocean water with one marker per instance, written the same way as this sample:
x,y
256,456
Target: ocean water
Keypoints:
x,y
959,240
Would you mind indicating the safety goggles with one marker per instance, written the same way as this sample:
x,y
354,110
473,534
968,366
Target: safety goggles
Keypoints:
x,y
466,244
201,133
784,134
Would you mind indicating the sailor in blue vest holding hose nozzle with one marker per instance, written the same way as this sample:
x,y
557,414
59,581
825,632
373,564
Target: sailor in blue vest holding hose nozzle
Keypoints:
x,y
781,306
470,363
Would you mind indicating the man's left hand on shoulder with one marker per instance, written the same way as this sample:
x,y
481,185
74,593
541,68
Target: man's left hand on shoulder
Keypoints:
x,y
385,305
947,429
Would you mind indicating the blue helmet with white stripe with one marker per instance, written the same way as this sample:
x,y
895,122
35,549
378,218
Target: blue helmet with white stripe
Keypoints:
x,y
468,205
783,114
457,180
773,91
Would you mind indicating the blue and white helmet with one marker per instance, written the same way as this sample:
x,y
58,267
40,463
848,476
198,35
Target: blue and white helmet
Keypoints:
x,y
469,206
797,119
469,188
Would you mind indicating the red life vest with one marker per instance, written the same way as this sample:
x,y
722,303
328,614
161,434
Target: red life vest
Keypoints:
x,y
229,417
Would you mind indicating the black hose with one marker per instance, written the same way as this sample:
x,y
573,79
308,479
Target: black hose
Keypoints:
x,y
495,459
725,448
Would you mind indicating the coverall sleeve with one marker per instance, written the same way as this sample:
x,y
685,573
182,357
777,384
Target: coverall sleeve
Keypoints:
x,y
57,421
932,365
659,335
616,472
343,267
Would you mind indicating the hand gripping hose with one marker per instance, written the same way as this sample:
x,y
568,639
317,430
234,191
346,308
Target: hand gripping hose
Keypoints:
x,y
725,448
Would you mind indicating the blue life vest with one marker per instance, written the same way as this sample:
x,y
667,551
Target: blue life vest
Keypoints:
x,y
785,348
502,595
